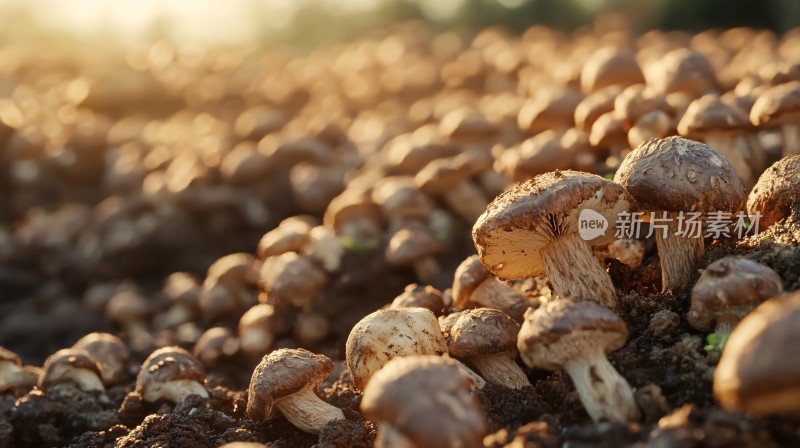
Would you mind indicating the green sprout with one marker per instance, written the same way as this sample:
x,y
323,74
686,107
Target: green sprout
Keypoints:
x,y
715,344
765,239
609,176
356,246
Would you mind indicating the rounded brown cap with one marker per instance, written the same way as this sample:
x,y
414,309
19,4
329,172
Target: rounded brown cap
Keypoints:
x,y
350,205
777,106
561,330
676,174
683,70
183,288
758,372
464,124
285,154
775,192
400,199
608,131
282,373
553,109
520,222
544,152
637,100
409,153
259,327
72,365
7,355
293,279
108,350
215,344
127,307
427,400
244,164
470,274
710,114
595,105
170,366
236,270
411,243
729,288
610,66
441,174
291,235
419,296
482,331
389,333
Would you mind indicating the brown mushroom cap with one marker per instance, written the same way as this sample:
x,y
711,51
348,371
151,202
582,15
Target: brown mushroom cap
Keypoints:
x,y
482,331
710,114
759,371
419,296
183,288
236,270
282,373
411,243
292,278
109,351
9,356
559,330
127,307
350,205
468,276
427,400
522,221
676,174
400,198
729,288
553,109
63,365
168,364
544,152
777,106
464,124
595,105
608,131
637,100
441,174
214,344
775,192
610,66
291,235
682,70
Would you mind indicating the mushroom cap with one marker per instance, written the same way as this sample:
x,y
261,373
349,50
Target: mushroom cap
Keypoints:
x,y
282,373
182,287
389,333
410,243
552,109
595,105
608,131
710,114
168,364
759,371
291,235
442,174
9,356
428,400
266,316
419,296
409,153
544,152
400,198
729,288
610,66
482,331
777,106
470,274
563,329
215,343
109,351
128,306
351,204
676,174
775,192
465,124
521,221
292,278
683,70
637,100
61,365
236,270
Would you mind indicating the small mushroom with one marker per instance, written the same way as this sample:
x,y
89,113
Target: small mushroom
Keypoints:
x,y
355,216
533,229
73,366
595,105
291,235
576,336
311,328
214,345
423,401
12,373
110,352
171,373
292,279
259,328
778,107
676,175
418,296
727,290
183,292
415,245
451,179
486,339
551,109
610,66
682,70
758,371
400,199
324,247
284,381
775,192
653,124
130,311
475,286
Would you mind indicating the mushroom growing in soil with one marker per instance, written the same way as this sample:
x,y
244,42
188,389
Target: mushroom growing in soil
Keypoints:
x,y
74,366
215,345
13,375
486,339
421,401
418,296
293,279
474,286
576,336
672,177
775,192
284,381
779,107
171,373
759,371
259,327
533,229
415,245
727,290
110,352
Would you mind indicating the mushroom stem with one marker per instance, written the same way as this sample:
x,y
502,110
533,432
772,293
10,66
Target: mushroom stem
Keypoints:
x,y
175,391
500,368
12,376
477,381
724,328
791,139
727,144
603,391
467,200
679,254
495,294
427,269
307,411
575,273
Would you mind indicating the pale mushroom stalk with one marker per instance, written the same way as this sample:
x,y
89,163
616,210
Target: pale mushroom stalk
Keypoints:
x,y
175,391
679,254
12,375
496,294
728,145
500,368
603,391
477,381
575,273
307,411
466,199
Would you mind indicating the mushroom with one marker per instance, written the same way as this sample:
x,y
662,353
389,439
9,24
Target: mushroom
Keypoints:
x,y
259,327
474,286
608,133
215,345
576,336
653,124
291,235
423,401
486,339
418,296
610,66
671,177
284,381
355,217
727,290
238,271
684,71
540,154
324,247
71,365
593,106
314,186
171,373
130,311
415,245
311,328
758,371
293,279
535,229
776,190
551,109
778,106
400,199
389,333
450,179
110,352
12,373
183,292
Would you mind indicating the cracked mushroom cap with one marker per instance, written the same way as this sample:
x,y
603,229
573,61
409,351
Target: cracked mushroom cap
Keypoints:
x,y
411,243
110,352
777,106
291,235
729,288
682,70
420,296
610,66
282,373
710,114
775,192
482,331
563,329
72,365
523,220
759,371
676,174
171,373
428,401
389,333
292,278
